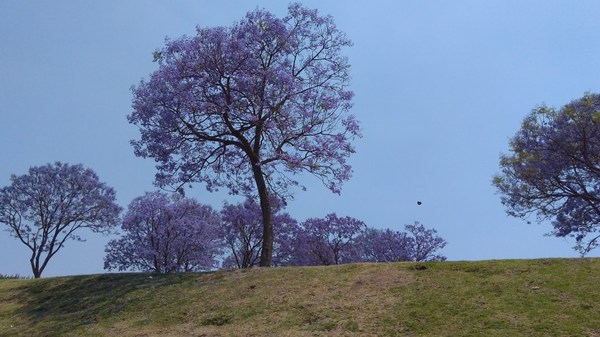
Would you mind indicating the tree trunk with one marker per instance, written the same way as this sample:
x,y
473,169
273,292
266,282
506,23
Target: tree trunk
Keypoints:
x,y
266,254
37,273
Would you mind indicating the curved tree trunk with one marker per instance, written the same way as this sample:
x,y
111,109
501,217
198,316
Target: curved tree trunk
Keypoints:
x,y
35,269
266,254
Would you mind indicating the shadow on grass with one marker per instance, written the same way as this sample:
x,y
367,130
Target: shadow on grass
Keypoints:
x,y
61,305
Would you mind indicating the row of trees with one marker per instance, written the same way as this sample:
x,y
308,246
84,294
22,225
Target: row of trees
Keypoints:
x,y
165,233
245,107
249,107
171,233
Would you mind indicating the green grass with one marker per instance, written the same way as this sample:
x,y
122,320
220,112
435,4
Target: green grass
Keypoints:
x,y
550,297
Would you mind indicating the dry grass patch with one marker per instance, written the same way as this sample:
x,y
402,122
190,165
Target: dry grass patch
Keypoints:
x,y
488,298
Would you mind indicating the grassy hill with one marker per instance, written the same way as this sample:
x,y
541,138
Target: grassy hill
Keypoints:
x,y
550,297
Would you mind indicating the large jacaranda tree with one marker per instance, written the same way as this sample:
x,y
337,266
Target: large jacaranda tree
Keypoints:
x,y
553,170
50,204
248,106
166,234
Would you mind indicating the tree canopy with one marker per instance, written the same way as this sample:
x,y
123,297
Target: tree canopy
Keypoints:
x,y
50,204
242,227
553,170
248,106
329,240
166,234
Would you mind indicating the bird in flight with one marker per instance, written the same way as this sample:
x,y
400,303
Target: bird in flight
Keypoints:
x,y
419,202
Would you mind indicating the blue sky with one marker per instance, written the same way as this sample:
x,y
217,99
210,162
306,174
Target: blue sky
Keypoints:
x,y
440,88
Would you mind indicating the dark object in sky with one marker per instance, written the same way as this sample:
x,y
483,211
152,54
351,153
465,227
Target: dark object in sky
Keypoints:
x,y
419,202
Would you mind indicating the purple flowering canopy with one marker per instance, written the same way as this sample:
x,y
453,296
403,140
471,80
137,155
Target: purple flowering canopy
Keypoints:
x,y
416,243
242,225
329,240
553,171
386,245
247,107
47,206
426,243
166,234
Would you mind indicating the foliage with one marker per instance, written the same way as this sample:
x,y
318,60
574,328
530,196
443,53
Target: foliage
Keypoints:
x,y
166,234
328,241
425,243
249,106
339,240
416,243
50,204
553,170
385,245
242,226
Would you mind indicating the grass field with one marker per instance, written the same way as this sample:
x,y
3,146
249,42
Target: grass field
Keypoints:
x,y
549,297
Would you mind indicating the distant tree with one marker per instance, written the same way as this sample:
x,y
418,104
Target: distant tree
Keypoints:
x,y
553,171
47,206
247,107
385,245
166,234
242,226
328,241
426,243
416,243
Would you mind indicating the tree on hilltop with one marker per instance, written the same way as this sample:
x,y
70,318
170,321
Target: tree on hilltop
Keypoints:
x,y
553,170
242,227
328,241
166,234
249,106
50,204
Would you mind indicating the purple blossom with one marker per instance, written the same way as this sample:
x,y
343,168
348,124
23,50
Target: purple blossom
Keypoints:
x,y
336,240
242,226
553,170
250,106
50,204
166,234
386,245
328,241
426,242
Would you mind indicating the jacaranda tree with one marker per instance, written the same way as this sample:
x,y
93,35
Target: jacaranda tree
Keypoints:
x,y
247,107
50,204
166,234
329,240
242,227
425,242
385,245
553,170
415,243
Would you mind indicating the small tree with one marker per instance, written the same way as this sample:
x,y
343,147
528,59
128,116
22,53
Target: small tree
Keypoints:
x,y
386,245
50,204
166,234
242,226
328,241
416,243
247,107
553,171
426,243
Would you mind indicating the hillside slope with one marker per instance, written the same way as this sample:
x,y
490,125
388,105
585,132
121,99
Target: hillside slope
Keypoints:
x,y
550,297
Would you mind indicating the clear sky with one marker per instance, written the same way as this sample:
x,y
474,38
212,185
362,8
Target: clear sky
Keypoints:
x,y
440,88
